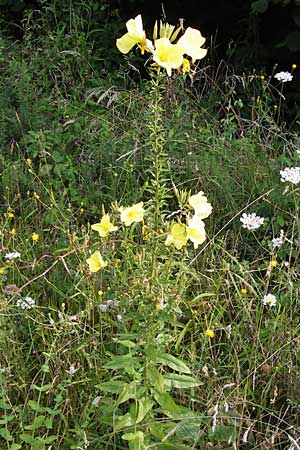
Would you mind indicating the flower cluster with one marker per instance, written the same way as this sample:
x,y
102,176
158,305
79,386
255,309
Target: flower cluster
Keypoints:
x,y
283,76
12,255
194,231
251,221
165,53
129,215
26,303
290,174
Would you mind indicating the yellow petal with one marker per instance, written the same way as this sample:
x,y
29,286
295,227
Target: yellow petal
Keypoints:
x,y
196,231
126,42
134,213
200,204
96,262
167,55
177,236
104,227
191,42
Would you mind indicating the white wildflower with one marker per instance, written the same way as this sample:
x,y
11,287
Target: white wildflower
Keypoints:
x,y
283,76
119,318
96,401
269,300
278,242
71,369
251,221
214,418
291,174
26,303
12,255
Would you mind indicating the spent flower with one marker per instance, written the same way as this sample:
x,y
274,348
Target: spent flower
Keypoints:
x,y
251,221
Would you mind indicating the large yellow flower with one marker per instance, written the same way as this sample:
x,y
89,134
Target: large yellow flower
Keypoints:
x,y
104,227
196,231
135,36
134,213
167,55
191,42
96,262
200,204
177,236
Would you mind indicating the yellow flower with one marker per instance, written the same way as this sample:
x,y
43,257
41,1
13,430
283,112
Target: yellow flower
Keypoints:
x,y
2,270
135,36
243,291
262,77
191,42
196,231
167,55
100,293
274,263
36,196
210,333
294,66
35,237
96,262
177,236
186,67
200,204
134,213
28,162
10,215
13,232
104,227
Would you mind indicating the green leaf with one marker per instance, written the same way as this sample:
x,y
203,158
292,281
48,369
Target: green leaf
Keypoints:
x,y
260,6
173,363
5,434
122,362
6,419
44,388
122,422
114,386
155,378
135,440
167,403
145,405
15,447
35,406
37,423
128,391
50,439
4,405
26,437
180,381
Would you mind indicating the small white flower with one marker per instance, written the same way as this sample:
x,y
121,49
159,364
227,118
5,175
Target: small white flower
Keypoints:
x,y
283,76
27,303
251,221
119,318
269,300
291,174
96,401
278,242
12,255
71,369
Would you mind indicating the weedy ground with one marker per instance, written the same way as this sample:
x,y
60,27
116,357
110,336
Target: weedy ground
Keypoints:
x,y
163,348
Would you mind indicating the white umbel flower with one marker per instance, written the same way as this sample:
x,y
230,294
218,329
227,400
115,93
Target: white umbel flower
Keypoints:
x,y
12,255
283,76
291,174
278,242
251,221
269,300
27,303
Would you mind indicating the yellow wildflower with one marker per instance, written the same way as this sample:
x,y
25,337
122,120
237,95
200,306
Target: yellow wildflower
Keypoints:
x,y
200,204
96,262
167,55
28,162
274,263
13,232
210,333
10,215
243,291
104,227
35,237
186,67
177,236
135,36
100,293
196,231
191,42
262,77
36,196
294,66
134,213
